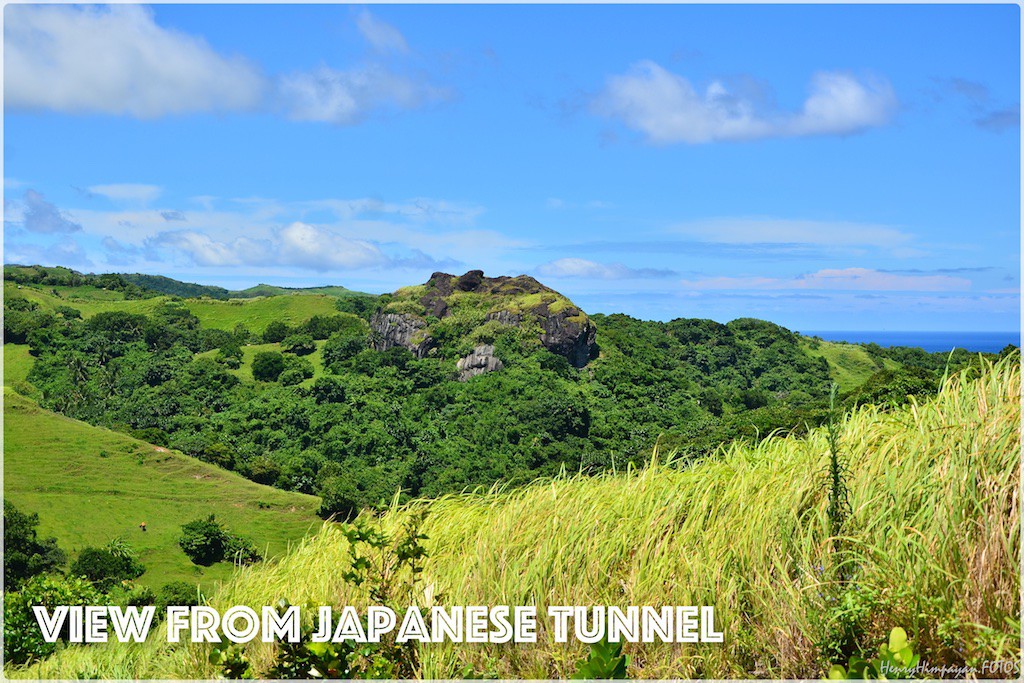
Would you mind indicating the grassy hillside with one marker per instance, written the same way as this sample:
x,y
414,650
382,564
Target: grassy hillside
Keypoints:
x,y
932,545
17,363
166,285
255,313
244,371
849,364
90,485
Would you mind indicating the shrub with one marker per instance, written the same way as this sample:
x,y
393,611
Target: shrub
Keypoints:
x,y
267,366
105,567
24,555
203,540
23,641
241,550
343,345
206,541
299,344
177,593
276,332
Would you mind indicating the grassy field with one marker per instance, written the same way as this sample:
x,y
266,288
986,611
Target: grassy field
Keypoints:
x,y
17,363
850,364
255,313
244,371
933,541
90,485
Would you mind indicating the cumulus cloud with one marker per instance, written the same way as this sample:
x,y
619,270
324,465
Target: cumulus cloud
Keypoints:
x,y
298,245
381,36
39,215
668,109
582,268
344,97
836,279
170,216
115,59
126,192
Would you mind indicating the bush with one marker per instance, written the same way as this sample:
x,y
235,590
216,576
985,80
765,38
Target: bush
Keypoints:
x,y
203,540
241,551
24,555
342,346
23,640
299,344
267,366
177,593
276,332
105,567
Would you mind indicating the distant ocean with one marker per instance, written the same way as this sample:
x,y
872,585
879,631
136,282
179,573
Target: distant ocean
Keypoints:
x,y
984,342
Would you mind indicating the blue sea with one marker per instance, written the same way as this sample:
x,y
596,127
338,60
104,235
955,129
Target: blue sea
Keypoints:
x,y
984,342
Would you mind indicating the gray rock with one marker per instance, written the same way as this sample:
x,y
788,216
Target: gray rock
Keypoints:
x,y
479,361
400,329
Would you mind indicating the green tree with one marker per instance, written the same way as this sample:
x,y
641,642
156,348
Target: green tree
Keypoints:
x,y
24,554
267,366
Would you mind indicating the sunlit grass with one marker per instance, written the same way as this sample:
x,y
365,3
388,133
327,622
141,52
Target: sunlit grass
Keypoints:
x,y
933,537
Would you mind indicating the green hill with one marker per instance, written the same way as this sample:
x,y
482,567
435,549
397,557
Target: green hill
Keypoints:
x,y
166,285
932,544
90,485
254,313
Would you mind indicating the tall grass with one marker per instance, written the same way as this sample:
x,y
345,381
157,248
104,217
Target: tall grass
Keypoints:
x,y
931,544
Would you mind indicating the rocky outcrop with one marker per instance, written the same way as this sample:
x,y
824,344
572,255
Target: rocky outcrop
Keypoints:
x,y
571,336
400,329
479,361
513,301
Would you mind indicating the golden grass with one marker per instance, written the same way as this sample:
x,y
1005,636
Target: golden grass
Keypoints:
x,y
933,540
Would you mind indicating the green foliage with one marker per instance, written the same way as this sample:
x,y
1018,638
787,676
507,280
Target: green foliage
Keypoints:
x,y
177,593
231,662
275,331
105,567
344,345
895,660
204,540
25,555
23,641
605,662
388,568
267,366
298,344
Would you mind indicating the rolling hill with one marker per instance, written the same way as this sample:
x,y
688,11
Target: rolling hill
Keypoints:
x,y
932,541
91,485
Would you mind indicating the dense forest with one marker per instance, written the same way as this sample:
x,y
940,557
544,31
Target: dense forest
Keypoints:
x,y
363,422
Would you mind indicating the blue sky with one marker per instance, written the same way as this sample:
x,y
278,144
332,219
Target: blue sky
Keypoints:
x,y
823,167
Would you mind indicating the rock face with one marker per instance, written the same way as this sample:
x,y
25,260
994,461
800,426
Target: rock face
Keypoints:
x,y
512,301
479,361
400,329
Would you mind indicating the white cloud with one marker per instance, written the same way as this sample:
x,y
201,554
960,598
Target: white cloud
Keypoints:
x,y
668,109
345,97
116,60
381,36
786,231
136,193
298,245
863,279
307,246
582,268
40,216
